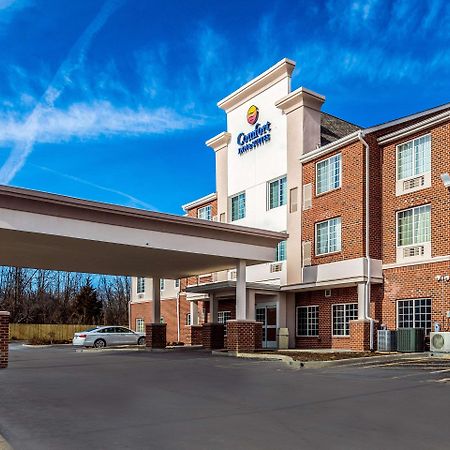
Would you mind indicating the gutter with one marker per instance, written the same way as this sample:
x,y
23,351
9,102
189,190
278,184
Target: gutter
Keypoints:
x,y
367,240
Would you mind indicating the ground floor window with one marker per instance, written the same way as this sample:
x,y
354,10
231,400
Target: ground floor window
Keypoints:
x,y
342,314
222,317
307,321
140,325
188,319
414,313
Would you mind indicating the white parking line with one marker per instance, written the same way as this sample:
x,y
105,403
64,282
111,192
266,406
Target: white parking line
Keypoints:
x,y
440,371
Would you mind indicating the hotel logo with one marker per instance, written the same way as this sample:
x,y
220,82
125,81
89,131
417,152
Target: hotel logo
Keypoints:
x,y
252,115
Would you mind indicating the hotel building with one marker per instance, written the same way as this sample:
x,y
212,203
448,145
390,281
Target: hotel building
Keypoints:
x,y
366,211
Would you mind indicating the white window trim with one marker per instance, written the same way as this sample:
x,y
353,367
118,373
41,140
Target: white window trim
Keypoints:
x,y
399,182
316,241
426,245
136,324
285,251
318,194
296,322
268,208
414,310
138,292
205,208
230,206
332,320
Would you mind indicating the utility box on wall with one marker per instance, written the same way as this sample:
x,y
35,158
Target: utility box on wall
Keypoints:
x,y
283,338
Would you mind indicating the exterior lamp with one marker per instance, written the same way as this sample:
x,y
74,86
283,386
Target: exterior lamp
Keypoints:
x,y
445,177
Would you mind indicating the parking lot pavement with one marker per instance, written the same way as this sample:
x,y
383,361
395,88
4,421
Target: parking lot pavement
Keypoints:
x,y
57,398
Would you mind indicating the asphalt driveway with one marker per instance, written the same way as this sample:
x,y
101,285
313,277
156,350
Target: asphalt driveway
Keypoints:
x,y
56,398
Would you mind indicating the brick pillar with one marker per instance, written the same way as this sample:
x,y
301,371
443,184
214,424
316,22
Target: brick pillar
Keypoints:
x,y
194,334
244,336
155,335
213,334
4,339
360,335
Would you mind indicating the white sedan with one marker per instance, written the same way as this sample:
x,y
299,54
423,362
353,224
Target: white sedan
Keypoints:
x,y
102,336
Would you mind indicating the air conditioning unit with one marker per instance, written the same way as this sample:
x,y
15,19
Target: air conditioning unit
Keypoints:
x,y
440,342
410,340
387,341
276,267
417,250
414,183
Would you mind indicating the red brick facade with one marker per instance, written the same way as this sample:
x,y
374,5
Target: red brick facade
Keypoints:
x,y
244,336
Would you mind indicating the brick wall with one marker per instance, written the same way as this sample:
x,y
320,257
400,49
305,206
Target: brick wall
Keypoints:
x,y
244,336
155,335
4,339
193,212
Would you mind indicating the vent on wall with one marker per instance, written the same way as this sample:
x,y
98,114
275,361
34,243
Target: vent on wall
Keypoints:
x,y
276,267
414,183
327,292
417,250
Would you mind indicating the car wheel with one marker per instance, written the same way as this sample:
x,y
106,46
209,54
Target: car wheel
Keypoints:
x,y
141,341
100,343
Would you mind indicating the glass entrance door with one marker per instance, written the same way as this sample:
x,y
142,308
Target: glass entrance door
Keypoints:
x,y
267,314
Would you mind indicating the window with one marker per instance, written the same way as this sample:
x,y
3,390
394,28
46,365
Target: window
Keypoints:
x,y
140,325
238,206
414,158
414,226
281,251
342,314
415,313
293,200
188,319
328,236
177,283
162,284
307,321
140,285
204,213
222,317
277,193
328,174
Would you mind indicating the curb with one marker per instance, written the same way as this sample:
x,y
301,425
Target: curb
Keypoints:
x,y
4,444
362,361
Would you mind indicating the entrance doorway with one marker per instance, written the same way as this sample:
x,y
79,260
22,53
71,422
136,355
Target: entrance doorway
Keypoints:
x,y
267,314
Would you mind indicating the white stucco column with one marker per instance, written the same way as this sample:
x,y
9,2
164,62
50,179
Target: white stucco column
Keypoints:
x,y
362,301
281,310
251,307
290,317
213,308
156,303
193,309
241,291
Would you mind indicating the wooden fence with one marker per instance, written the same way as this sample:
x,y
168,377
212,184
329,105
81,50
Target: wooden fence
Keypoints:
x,y
45,332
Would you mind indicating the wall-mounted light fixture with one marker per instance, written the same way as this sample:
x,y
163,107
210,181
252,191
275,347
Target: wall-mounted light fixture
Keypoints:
x,y
445,177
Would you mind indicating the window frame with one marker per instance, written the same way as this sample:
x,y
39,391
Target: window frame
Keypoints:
x,y
205,208
282,193
136,325
397,240
162,284
307,307
278,251
397,151
238,209
345,318
317,176
316,241
140,284
414,320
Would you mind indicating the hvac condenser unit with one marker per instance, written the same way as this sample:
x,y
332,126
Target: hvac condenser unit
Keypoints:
x,y
440,342
387,341
410,340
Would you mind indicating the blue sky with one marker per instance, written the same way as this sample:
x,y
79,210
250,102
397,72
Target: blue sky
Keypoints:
x,y
113,100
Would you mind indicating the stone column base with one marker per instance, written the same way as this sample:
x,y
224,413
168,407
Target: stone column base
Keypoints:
x,y
213,334
360,335
193,334
4,339
244,336
155,335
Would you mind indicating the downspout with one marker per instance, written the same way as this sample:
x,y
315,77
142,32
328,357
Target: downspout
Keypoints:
x,y
178,317
367,239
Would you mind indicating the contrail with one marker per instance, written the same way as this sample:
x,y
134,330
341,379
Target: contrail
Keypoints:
x,y
60,81
134,200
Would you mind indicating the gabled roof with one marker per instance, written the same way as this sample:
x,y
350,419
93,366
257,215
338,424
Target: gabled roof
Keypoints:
x,y
333,128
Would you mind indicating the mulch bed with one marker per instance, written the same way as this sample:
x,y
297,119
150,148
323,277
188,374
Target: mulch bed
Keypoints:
x,y
313,356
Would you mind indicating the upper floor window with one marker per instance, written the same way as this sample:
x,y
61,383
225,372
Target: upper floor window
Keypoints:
x,y
414,226
328,236
238,206
328,174
414,157
162,284
140,285
204,212
277,193
281,251
177,283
